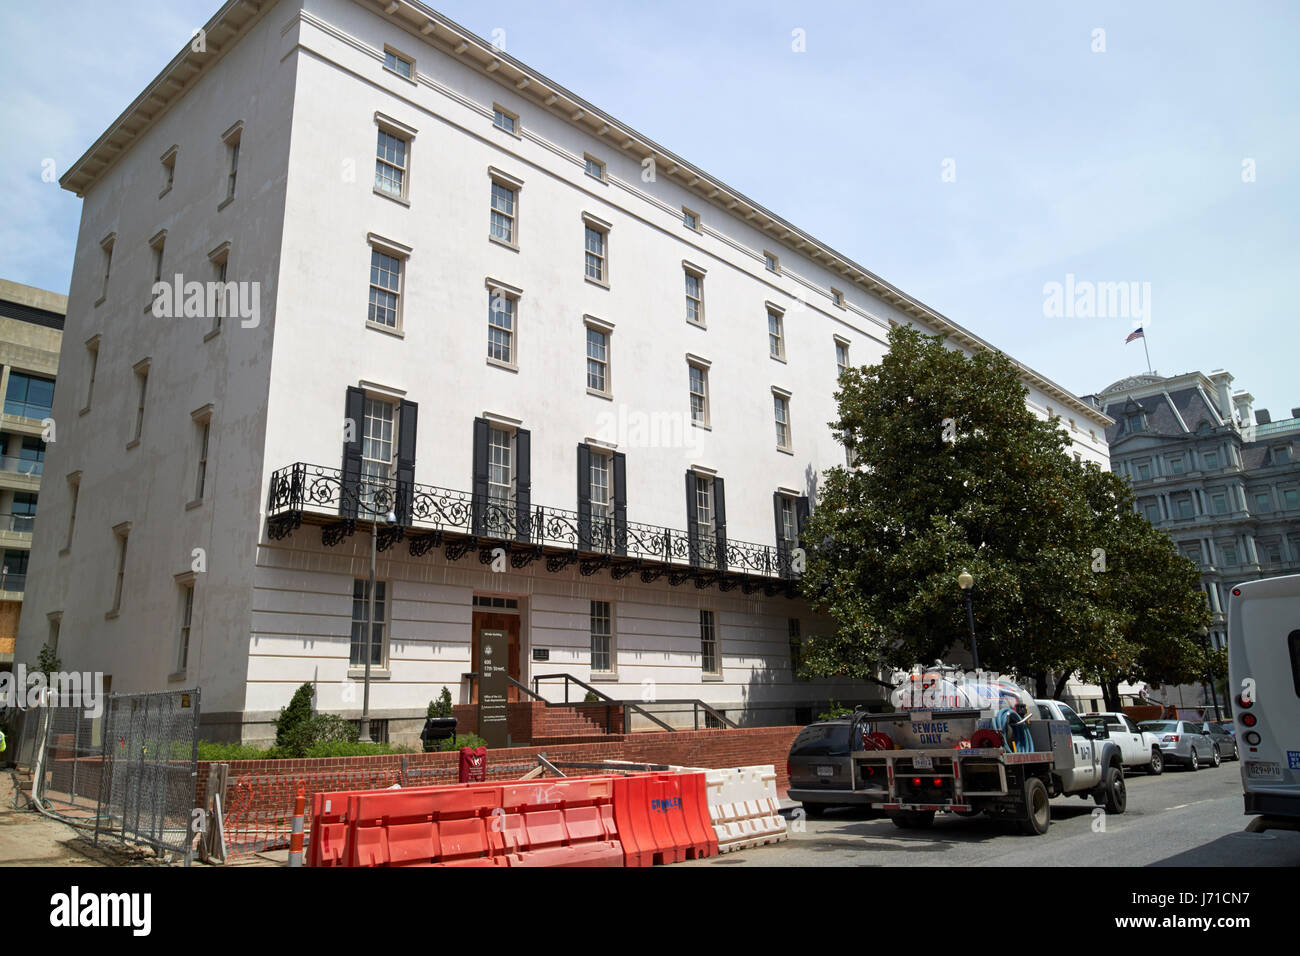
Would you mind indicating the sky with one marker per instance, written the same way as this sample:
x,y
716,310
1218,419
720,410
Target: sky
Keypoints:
x,y
971,154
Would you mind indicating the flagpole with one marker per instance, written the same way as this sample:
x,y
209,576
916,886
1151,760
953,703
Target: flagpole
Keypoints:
x,y
1146,350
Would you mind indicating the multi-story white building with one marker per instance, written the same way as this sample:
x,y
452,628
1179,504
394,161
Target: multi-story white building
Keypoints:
x,y
525,325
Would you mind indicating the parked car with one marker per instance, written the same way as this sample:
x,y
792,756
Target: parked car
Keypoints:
x,y
819,766
1223,738
1140,749
1182,742
1230,726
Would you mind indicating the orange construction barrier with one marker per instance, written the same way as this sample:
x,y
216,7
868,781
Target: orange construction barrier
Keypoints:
x,y
663,818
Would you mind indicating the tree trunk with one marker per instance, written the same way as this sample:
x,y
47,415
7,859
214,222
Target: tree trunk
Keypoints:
x,y
1040,684
1060,685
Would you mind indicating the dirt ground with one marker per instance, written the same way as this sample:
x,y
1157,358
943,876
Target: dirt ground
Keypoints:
x,y
29,838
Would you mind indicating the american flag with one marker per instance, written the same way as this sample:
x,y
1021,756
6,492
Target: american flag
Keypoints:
x,y
1135,334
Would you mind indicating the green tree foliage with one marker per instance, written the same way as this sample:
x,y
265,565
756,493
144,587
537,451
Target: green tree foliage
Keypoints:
x,y
440,707
298,712
953,472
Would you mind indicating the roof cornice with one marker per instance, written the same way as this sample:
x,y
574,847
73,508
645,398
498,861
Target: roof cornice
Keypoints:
x,y
223,31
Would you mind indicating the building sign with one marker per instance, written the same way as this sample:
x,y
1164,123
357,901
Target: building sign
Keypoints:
x,y
493,660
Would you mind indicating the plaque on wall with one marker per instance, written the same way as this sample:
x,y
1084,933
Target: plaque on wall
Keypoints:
x,y
493,651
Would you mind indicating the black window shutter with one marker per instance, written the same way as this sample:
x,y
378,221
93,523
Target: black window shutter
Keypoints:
x,y
523,484
479,494
801,518
720,521
354,412
407,419
778,499
620,503
584,497
692,525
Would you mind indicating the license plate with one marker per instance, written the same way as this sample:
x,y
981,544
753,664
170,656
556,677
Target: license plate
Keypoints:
x,y
825,771
922,763
1258,770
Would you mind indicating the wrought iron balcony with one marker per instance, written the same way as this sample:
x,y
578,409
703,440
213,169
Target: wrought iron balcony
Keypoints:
x,y
427,517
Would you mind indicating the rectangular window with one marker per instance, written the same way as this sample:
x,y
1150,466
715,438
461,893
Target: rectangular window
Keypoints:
x,y
75,491
1153,513
837,297
227,293
781,411
1177,465
158,249
775,335
795,632
595,168
709,646
789,526
187,619
1229,555
771,263
13,572
501,326
142,391
1263,502
502,222
597,360
694,297
503,119
602,637
699,394
1272,553
1144,470
23,512
1282,455
1219,504
501,482
232,150
1136,424
1185,509
1292,498
202,478
120,576
690,219
705,531
29,396
378,453
595,254
602,501
399,64
1211,459
169,170
385,289
361,617
841,357
108,267
390,164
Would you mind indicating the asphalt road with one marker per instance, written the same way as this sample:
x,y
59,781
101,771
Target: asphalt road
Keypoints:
x,y
1177,819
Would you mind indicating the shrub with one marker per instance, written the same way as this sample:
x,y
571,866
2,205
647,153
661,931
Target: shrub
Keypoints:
x,y
835,709
591,698
442,706
316,729
224,753
462,740
298,712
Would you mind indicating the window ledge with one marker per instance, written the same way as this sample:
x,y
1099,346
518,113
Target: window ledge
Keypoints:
x,y
84,411
175,676
212,334
712,678
190,506
707,428
166,190
225,202
785,451
112,615
64,551
508,366
604,677
512,246
396,333
607,396
376,673
132,443
100,301
778,358
698,325
400,200
597,282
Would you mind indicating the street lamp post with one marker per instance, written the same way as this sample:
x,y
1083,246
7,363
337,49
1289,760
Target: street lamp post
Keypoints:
x,y
966,582
1209,674
370,614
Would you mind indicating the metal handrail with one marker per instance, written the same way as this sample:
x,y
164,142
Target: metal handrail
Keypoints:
x,y
631,705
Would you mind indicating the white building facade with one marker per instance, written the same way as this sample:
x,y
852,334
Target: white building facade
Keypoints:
x,y
584,386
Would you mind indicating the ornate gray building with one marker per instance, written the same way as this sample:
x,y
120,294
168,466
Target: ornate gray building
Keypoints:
x,y
1223,483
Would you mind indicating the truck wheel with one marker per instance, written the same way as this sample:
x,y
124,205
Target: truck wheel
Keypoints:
x,y
1037,813
913,819
813,811
1157,765
1113,793
1195,763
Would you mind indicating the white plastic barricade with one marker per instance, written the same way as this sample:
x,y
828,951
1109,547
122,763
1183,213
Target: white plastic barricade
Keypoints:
x,y
744,807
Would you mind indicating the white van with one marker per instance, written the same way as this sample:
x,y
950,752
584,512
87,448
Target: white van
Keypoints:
x,y
1264,671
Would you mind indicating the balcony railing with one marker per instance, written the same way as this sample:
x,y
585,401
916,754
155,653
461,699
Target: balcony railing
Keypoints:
x,y
22,466
19,523
426,513
13,582
27,409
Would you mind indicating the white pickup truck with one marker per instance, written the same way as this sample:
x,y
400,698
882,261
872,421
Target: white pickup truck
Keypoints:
x,y
917,762
1139,748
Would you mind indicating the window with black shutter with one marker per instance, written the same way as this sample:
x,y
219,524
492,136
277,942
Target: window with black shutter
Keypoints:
x,y
407,415
354,417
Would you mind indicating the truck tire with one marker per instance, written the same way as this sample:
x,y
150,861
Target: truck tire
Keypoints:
x,y
1195,763
1037,813
1113,793
813,811
1157,765
912,819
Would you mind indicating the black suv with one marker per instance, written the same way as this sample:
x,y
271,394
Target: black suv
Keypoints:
x,y
819,765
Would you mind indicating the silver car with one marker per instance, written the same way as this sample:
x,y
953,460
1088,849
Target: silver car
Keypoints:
x,y
1184,742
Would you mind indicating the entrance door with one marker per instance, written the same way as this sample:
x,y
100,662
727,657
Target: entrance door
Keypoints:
x,y
484,620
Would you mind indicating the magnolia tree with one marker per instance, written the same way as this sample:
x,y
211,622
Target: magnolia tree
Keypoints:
x,y
953,472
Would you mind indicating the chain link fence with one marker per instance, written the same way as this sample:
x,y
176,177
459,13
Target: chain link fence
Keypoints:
x,y
150,760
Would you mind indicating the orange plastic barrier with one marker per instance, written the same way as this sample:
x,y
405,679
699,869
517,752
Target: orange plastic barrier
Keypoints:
x,y
663,818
